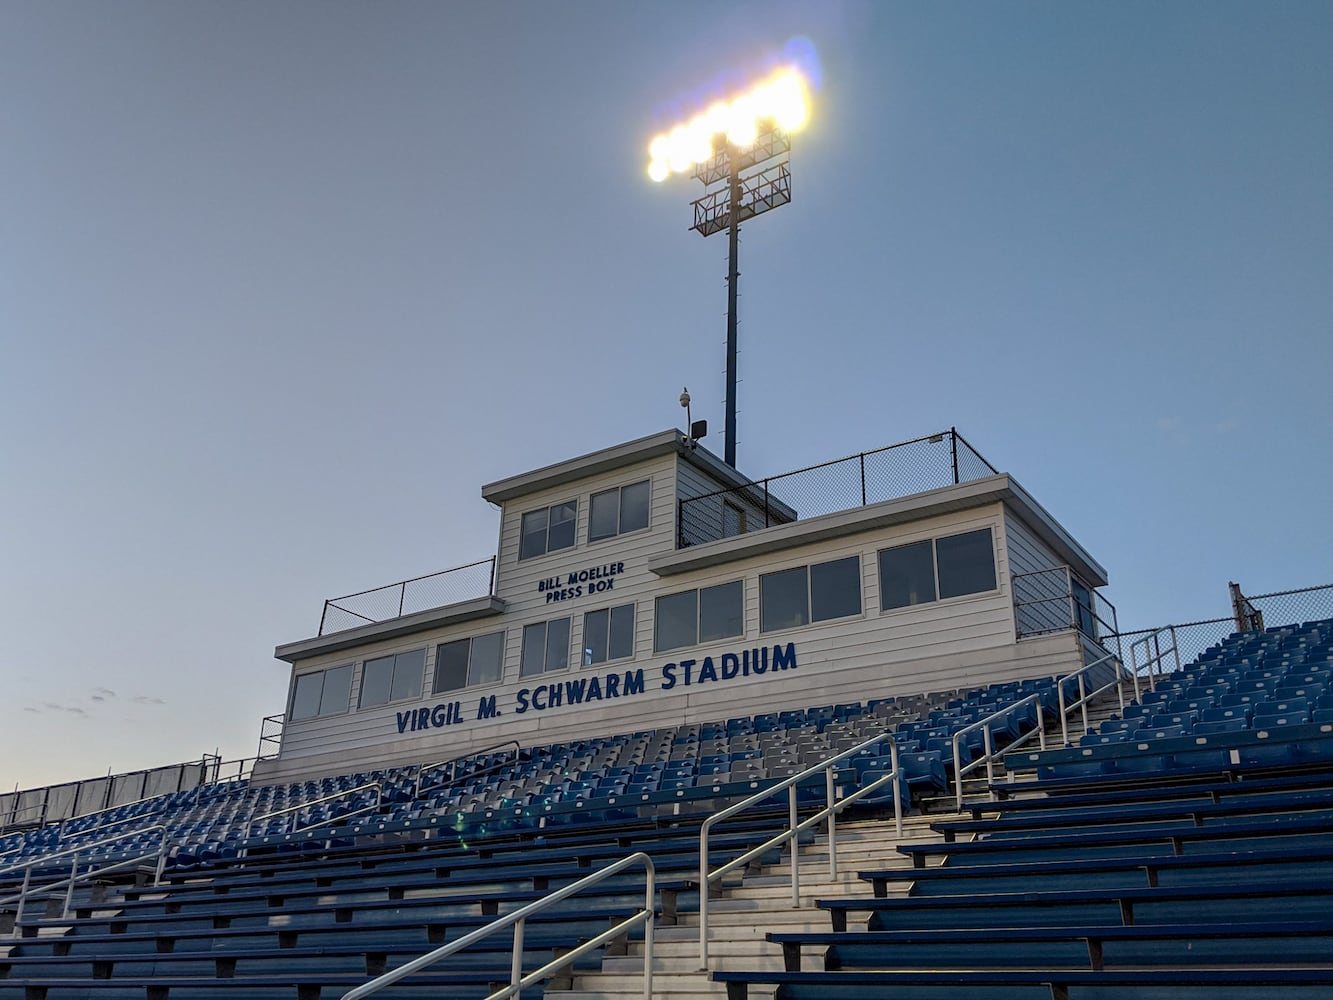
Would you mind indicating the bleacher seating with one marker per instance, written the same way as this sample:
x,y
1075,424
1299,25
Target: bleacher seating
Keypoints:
x,y
1183,850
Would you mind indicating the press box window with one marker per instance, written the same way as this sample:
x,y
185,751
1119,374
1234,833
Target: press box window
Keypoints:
x,y
698,616
548,529
608,634
618,511
545,647
392,678
937,569
324,692
808,594
467,662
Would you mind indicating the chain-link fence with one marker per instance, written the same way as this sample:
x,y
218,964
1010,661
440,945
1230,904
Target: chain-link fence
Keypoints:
x,y
1156,651
436,590
898,470
1291,607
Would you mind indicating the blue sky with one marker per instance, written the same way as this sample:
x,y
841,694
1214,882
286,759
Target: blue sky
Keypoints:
x,y
281,285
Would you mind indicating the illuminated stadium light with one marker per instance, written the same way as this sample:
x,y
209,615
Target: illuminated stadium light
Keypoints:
x,y
738,150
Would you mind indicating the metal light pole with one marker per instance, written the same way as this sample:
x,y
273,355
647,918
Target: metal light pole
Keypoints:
x,y
748,175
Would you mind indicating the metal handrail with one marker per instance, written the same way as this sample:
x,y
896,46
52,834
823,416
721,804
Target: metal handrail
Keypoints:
x,y
707,878
1084,696
379,800
1153,656
73,877
520,982
423,768
991,753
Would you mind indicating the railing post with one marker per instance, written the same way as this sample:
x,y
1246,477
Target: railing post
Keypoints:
x,y
680,524
322,616
990,757
953,448
703,897
490,583
23,898
765,503
897,788
402,597
958,772
1064,723
863,479
1083,701
795,849
69,891
516,962
832,824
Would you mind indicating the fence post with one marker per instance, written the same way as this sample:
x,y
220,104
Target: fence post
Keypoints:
x,y
402,596
323,615
953,448
863,479
490,583
765,503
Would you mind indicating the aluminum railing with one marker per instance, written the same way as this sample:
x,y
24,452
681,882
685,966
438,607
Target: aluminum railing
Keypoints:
x,y
795,826
1155,653
422,789
1085,696
988,758
74,878
518,982
379,800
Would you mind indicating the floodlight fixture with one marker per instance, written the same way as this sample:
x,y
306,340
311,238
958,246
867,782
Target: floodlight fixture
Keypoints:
x,y
739,150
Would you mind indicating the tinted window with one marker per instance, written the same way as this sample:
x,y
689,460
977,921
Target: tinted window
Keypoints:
x,y
783,599
677,622
835,589
305,702
634,507
906,575
557,644
561,535
721,611
337,694
533,657
622,632
966,563
451,666
487,661
534,534
604,515
596,629
376,680
407,671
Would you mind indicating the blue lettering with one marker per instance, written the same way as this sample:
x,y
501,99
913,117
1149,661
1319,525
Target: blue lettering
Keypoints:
x,y
486,708
688,667
403,718
555,696
760,660
594,689
575,689
539,697
633,679
731,666
612,686
668,676
439,716
784,659
706,670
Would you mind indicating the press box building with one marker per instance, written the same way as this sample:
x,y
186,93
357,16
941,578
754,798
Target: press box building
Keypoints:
x,y
651,584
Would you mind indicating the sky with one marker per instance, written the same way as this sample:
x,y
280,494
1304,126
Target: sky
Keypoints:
x,y
282,285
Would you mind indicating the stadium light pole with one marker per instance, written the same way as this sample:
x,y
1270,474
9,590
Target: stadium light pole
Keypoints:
x,y
740,151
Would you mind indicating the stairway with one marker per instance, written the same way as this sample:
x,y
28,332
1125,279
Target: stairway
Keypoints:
x,y
740,917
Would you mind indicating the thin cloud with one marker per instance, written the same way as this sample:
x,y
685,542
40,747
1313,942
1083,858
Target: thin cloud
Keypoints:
x,y
71,709
104,693
144,699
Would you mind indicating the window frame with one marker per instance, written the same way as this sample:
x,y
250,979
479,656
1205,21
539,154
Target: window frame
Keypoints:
x,y
469,681
810,618
585,652
933,542
546,536
698,593
322,674
546,646
619,491
393,672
